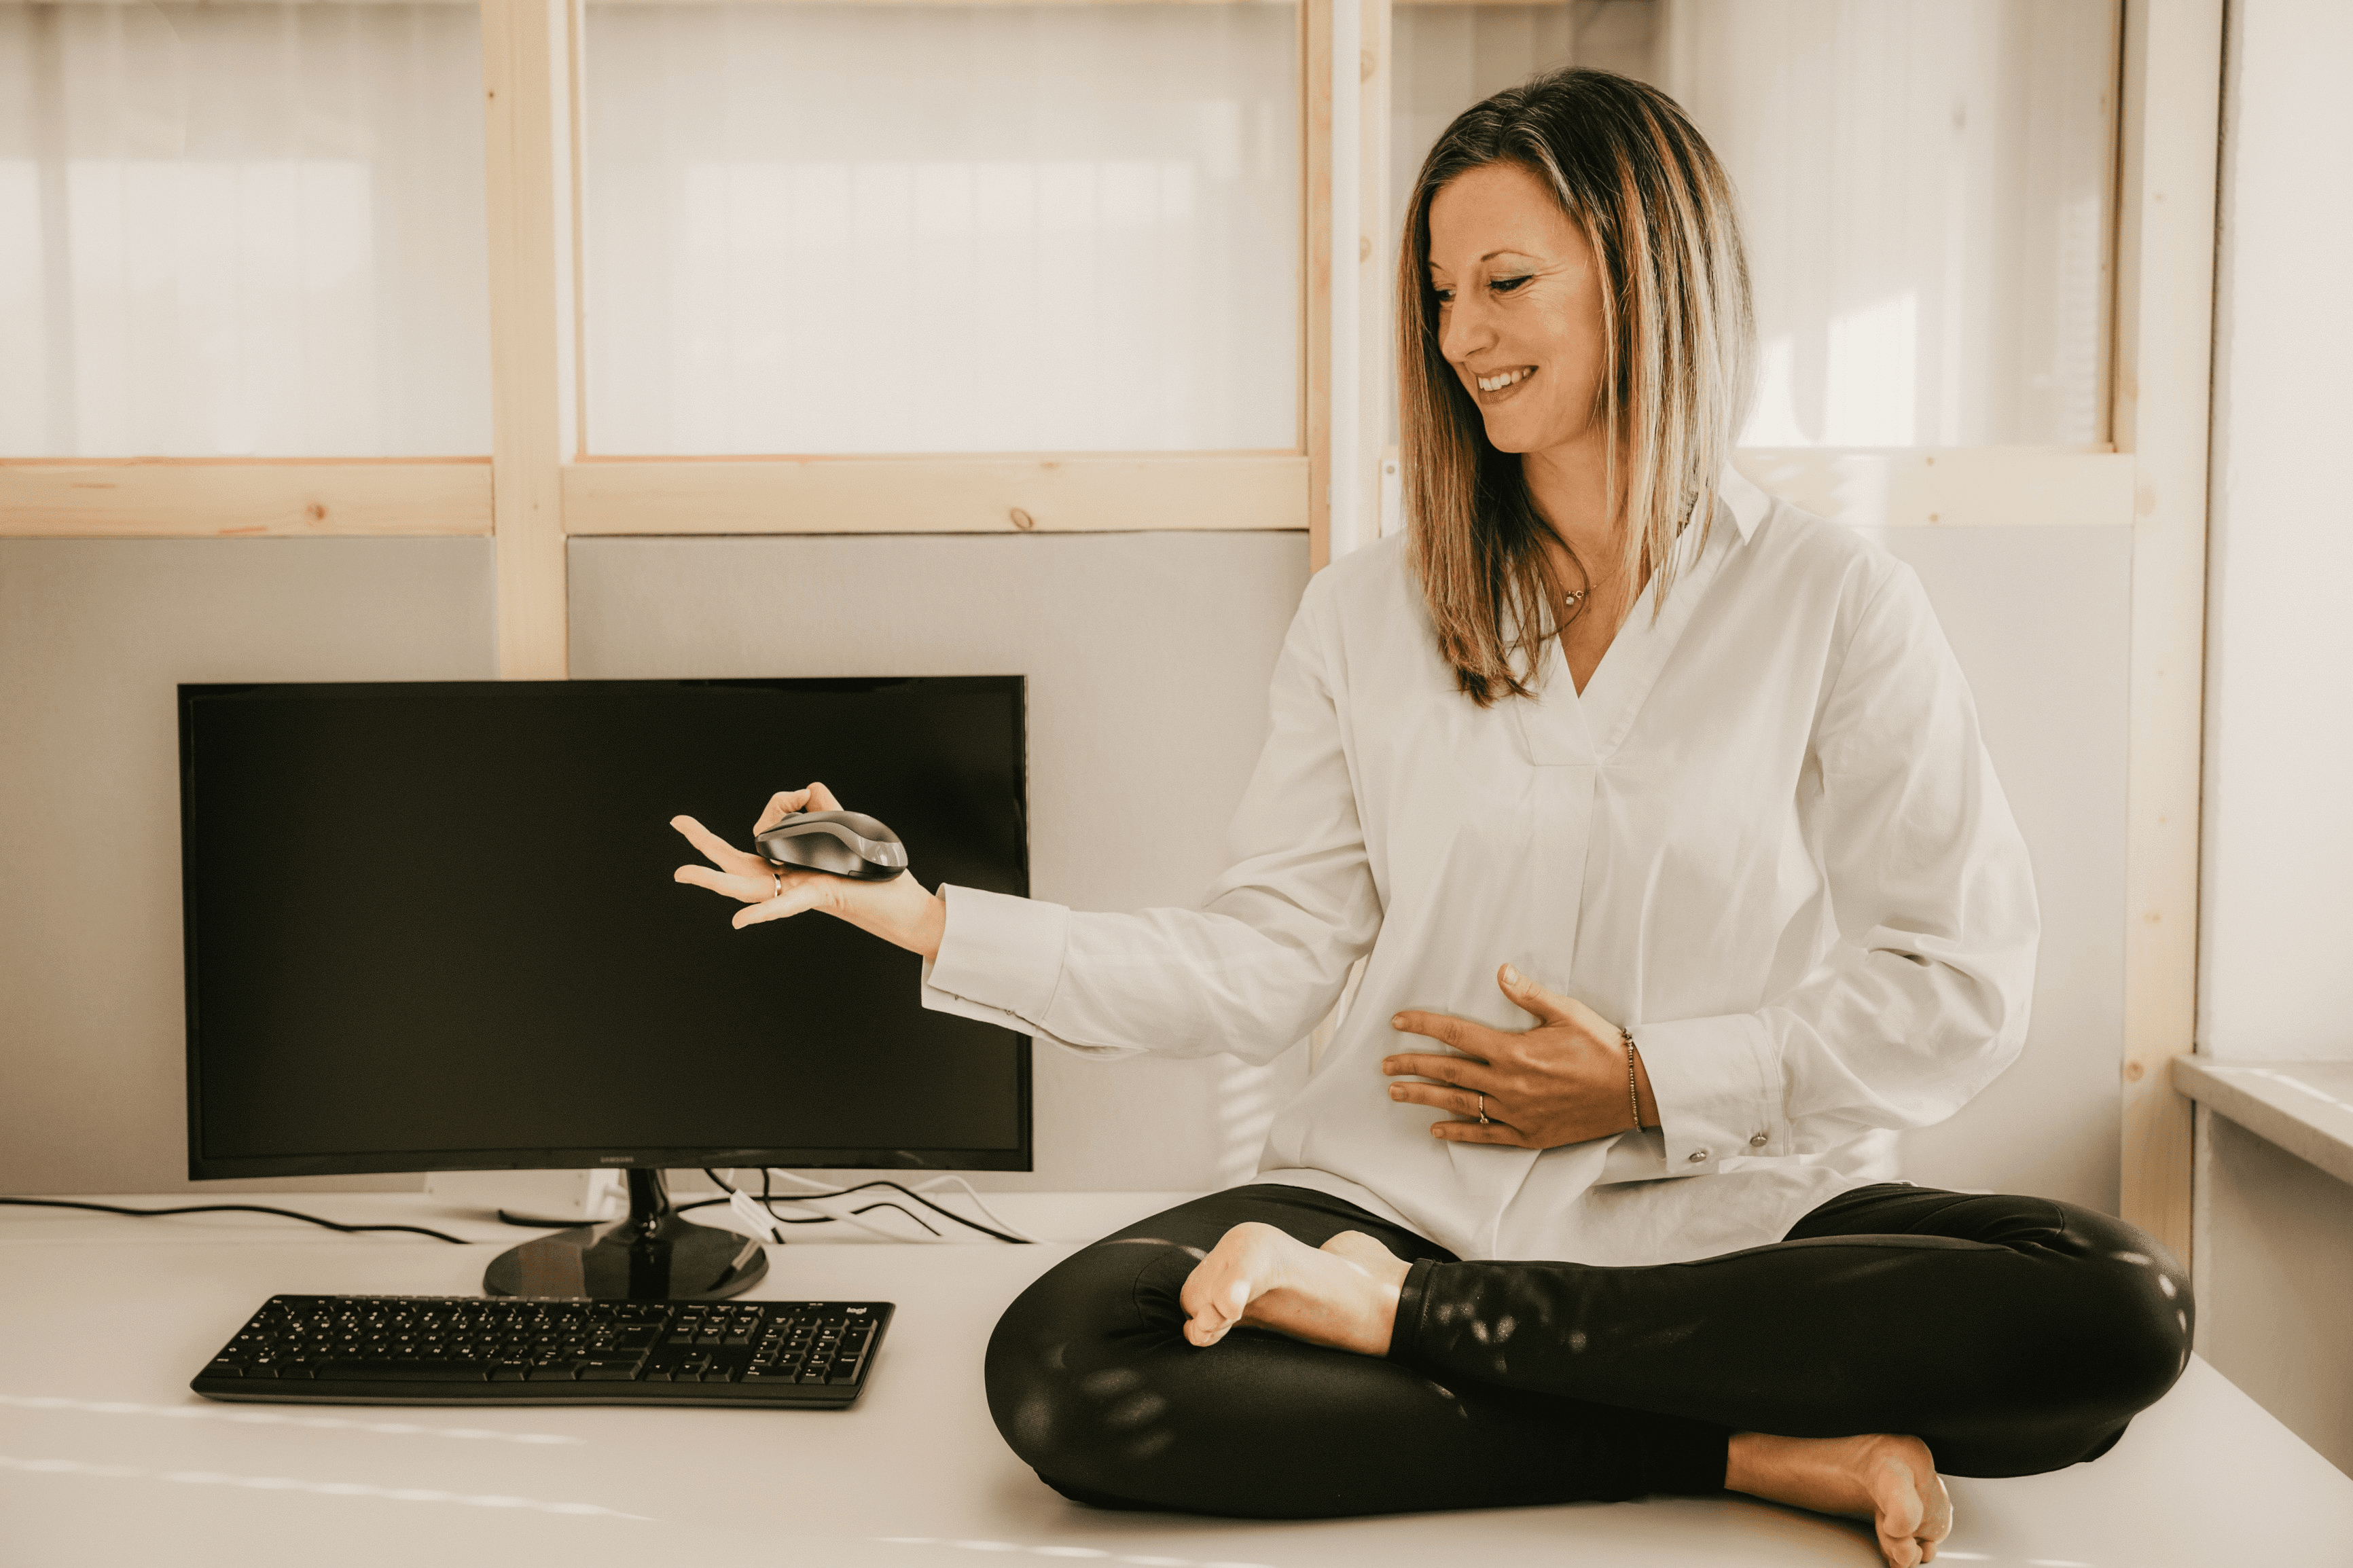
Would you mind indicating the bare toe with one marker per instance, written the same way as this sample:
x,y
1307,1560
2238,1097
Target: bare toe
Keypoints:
x,y
1888,1478
1243,1266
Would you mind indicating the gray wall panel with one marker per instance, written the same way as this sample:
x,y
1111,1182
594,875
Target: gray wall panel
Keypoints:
x,y
94,637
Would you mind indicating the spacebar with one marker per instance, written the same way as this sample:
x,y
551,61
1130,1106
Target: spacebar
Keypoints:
x,y
404,1371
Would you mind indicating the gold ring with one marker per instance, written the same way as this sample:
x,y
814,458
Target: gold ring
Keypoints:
x,y
779,874
1482,1111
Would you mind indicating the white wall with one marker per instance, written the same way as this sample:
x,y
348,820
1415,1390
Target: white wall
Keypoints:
x,y
2275,980
2273,1233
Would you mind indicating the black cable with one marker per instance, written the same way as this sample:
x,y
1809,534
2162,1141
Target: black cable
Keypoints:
x,y
935,1208
887,1203
233,1209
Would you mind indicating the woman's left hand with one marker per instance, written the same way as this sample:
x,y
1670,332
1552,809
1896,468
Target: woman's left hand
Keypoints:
x,y
1563,1081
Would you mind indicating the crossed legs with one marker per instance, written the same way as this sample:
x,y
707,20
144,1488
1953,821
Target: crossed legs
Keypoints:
x,y
2002,1335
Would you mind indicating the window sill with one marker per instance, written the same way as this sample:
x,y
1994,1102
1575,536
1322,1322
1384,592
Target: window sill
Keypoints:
x,y
2303,1107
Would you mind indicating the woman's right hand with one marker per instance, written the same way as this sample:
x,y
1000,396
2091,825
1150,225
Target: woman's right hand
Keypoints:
x,y
898,911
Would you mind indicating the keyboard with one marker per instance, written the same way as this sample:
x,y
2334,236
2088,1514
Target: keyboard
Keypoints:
x,y
548,1350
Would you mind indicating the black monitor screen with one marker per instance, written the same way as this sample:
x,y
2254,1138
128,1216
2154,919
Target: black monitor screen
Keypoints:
x,y
434,927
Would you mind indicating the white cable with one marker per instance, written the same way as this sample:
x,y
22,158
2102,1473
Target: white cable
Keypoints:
x,y
746,1208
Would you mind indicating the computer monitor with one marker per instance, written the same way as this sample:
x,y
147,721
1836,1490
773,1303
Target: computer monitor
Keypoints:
x,y
432,926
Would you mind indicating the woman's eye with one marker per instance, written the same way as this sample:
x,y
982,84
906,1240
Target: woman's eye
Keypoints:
x,y
1506,284
1444,296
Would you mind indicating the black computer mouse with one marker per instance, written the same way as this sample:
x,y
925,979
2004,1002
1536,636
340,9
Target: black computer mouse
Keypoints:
x,y
843,843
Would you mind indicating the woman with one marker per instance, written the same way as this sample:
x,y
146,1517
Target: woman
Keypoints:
x,y
1701,773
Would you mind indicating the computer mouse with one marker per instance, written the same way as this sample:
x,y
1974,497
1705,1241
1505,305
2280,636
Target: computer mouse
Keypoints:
x,y
843,843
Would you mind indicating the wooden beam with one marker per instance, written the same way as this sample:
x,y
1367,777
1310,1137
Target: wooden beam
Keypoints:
x,y
2172,80
162,498
528,47
1967,486
1315,257
938,495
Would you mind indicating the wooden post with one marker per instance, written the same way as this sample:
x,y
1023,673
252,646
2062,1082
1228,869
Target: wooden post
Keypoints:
x,y
2172,81
529,48
1316,258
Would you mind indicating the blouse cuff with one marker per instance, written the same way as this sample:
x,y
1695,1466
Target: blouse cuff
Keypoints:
x,y
1000,952
1718,1088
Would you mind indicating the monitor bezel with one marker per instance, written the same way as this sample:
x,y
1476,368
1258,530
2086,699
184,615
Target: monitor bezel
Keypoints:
x,y
202,1167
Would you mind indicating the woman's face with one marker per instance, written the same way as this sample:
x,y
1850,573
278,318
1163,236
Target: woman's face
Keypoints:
x,y
1519,314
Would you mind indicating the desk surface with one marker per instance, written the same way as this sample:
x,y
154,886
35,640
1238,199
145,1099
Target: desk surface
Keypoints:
x,y
107,1459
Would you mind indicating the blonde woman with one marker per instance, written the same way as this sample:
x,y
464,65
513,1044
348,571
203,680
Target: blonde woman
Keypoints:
x,y
1658,813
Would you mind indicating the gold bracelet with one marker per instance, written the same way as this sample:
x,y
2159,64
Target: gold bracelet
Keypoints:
x,y
1632,1097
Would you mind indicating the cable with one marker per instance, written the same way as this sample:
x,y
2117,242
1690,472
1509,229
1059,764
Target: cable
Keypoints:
x,y
887,1203
938,1182
1005,1235
233,1209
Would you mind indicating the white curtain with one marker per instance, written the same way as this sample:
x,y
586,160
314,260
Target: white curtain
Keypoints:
x,y
1925,185
240,230
873,228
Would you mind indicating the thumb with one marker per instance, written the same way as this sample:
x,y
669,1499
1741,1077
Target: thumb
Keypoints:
x,y
1530,997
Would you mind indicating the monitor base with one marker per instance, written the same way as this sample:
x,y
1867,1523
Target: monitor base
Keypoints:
x,y
649,1254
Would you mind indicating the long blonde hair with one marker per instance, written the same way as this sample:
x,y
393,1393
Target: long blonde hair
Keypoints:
x,y
1632,171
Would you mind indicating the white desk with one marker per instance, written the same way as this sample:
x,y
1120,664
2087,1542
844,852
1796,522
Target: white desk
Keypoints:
x,y
106,1458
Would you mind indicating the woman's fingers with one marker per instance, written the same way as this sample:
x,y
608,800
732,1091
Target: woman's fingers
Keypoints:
x,y
720,853
798,897
1470,1039
784,803
1531,997
1460,1101
750,889
1472,1132
1461,1072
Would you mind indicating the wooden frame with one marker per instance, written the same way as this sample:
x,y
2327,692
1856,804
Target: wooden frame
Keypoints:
x,y
1090,492
239,498
2165,217
530,83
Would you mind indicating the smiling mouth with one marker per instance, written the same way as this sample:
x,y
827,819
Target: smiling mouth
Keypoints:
x,y
1503,380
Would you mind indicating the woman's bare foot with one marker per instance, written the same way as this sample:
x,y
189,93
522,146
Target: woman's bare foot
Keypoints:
x,y
1343,1294
1892,1481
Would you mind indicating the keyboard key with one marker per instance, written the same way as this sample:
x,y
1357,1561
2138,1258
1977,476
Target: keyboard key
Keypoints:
x,y
610,1369
560,1372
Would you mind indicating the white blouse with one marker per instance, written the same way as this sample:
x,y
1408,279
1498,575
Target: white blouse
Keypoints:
x,y
1767,838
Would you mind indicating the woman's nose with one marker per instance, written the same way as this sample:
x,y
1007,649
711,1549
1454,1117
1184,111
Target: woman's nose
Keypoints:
x,y
1464,331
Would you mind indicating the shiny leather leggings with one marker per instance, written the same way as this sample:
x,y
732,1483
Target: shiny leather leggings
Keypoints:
x,y
2013,1335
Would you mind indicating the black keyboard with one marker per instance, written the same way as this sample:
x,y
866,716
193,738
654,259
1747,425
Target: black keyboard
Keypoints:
x,y
548,1350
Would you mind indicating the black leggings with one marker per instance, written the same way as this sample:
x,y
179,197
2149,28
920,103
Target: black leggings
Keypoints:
x,y
2012,1336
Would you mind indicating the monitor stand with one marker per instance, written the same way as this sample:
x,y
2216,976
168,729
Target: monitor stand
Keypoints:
x,y
649,1254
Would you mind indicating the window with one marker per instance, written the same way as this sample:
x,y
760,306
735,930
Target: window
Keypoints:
x,y
858,228
242,230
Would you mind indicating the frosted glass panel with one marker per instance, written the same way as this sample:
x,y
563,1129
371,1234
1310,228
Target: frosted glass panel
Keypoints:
x,y
229,230
1925,183
865,228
